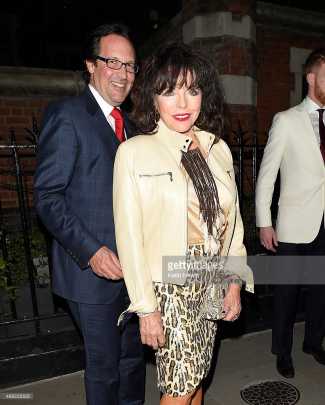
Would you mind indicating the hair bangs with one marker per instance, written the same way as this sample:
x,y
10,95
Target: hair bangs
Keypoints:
x,y
177,72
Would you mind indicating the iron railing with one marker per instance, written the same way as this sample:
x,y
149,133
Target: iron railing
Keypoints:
x,y
17,177
246,153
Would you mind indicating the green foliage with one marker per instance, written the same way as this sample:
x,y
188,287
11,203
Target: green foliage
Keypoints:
x,y
13,270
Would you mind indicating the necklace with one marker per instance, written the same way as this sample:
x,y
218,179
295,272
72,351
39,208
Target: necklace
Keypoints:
x,y
204,186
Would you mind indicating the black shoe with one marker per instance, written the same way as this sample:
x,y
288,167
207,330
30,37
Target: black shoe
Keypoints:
x,y
285,367
318,353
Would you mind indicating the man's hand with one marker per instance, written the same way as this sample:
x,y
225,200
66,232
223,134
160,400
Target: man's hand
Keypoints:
x,y
268,238
151,330
231,303
105,264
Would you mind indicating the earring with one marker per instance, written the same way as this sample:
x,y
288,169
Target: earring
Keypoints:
x,y
156,115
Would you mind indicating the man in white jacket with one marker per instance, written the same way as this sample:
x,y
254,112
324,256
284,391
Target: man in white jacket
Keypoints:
x,y
296,147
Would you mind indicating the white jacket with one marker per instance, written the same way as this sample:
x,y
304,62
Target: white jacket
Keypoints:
x,y
292,148
150,209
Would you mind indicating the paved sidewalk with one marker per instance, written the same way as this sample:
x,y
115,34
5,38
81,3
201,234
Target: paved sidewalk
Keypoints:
x,y
240,362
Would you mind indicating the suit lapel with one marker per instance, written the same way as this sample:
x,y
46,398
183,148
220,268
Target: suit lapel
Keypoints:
x,y
129,130
103,129
309,133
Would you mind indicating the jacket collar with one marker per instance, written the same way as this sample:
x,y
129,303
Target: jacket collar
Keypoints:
x,y
91,104
94,109
308,106
178,143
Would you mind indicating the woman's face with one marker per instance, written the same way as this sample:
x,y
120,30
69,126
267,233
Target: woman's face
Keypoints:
x,y
180,108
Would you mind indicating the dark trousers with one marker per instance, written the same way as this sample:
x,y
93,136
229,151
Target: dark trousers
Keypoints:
x,y
115,368
286,298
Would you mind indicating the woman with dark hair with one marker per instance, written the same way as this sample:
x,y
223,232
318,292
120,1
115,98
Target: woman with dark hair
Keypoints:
x,y
175,198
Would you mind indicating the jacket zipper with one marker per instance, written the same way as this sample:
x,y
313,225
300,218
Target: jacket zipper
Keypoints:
x,y
170,174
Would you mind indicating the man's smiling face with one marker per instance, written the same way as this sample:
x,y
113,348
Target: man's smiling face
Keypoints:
x,y
112,85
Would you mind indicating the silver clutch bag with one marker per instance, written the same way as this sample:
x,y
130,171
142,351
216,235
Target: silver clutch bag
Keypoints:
x,y
213,305
213,280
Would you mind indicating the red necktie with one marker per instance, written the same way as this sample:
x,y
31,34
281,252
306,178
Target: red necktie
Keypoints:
x,y
321,131
119,124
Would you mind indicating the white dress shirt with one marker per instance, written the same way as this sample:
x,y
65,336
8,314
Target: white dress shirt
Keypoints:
x,y
105,107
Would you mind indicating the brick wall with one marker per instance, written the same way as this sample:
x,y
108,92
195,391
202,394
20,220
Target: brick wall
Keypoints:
x,y
24,94
238,7
278,30
274,78
16,114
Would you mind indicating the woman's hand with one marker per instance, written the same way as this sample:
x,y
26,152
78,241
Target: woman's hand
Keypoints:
x,y
151,330
232,305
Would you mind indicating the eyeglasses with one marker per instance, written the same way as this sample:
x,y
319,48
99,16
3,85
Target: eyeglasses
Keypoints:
x,y
116,64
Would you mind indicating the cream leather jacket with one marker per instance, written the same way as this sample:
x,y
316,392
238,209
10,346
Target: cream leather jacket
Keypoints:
x,y
150,209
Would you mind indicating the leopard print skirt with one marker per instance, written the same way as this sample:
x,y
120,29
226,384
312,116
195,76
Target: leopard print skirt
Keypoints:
x,y
185,359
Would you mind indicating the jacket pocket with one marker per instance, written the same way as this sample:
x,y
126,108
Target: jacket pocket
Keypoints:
x,y
170,174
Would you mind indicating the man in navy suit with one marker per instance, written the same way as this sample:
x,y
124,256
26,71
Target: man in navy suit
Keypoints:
x,y
73,197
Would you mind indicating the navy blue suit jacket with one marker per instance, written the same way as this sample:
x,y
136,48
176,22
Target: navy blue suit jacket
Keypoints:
x,y
73,195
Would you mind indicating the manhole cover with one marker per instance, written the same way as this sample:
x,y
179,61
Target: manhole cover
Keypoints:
x,y
270,393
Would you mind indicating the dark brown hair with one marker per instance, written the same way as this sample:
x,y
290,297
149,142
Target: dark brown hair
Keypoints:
x,y
92,42
316,58
160,73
